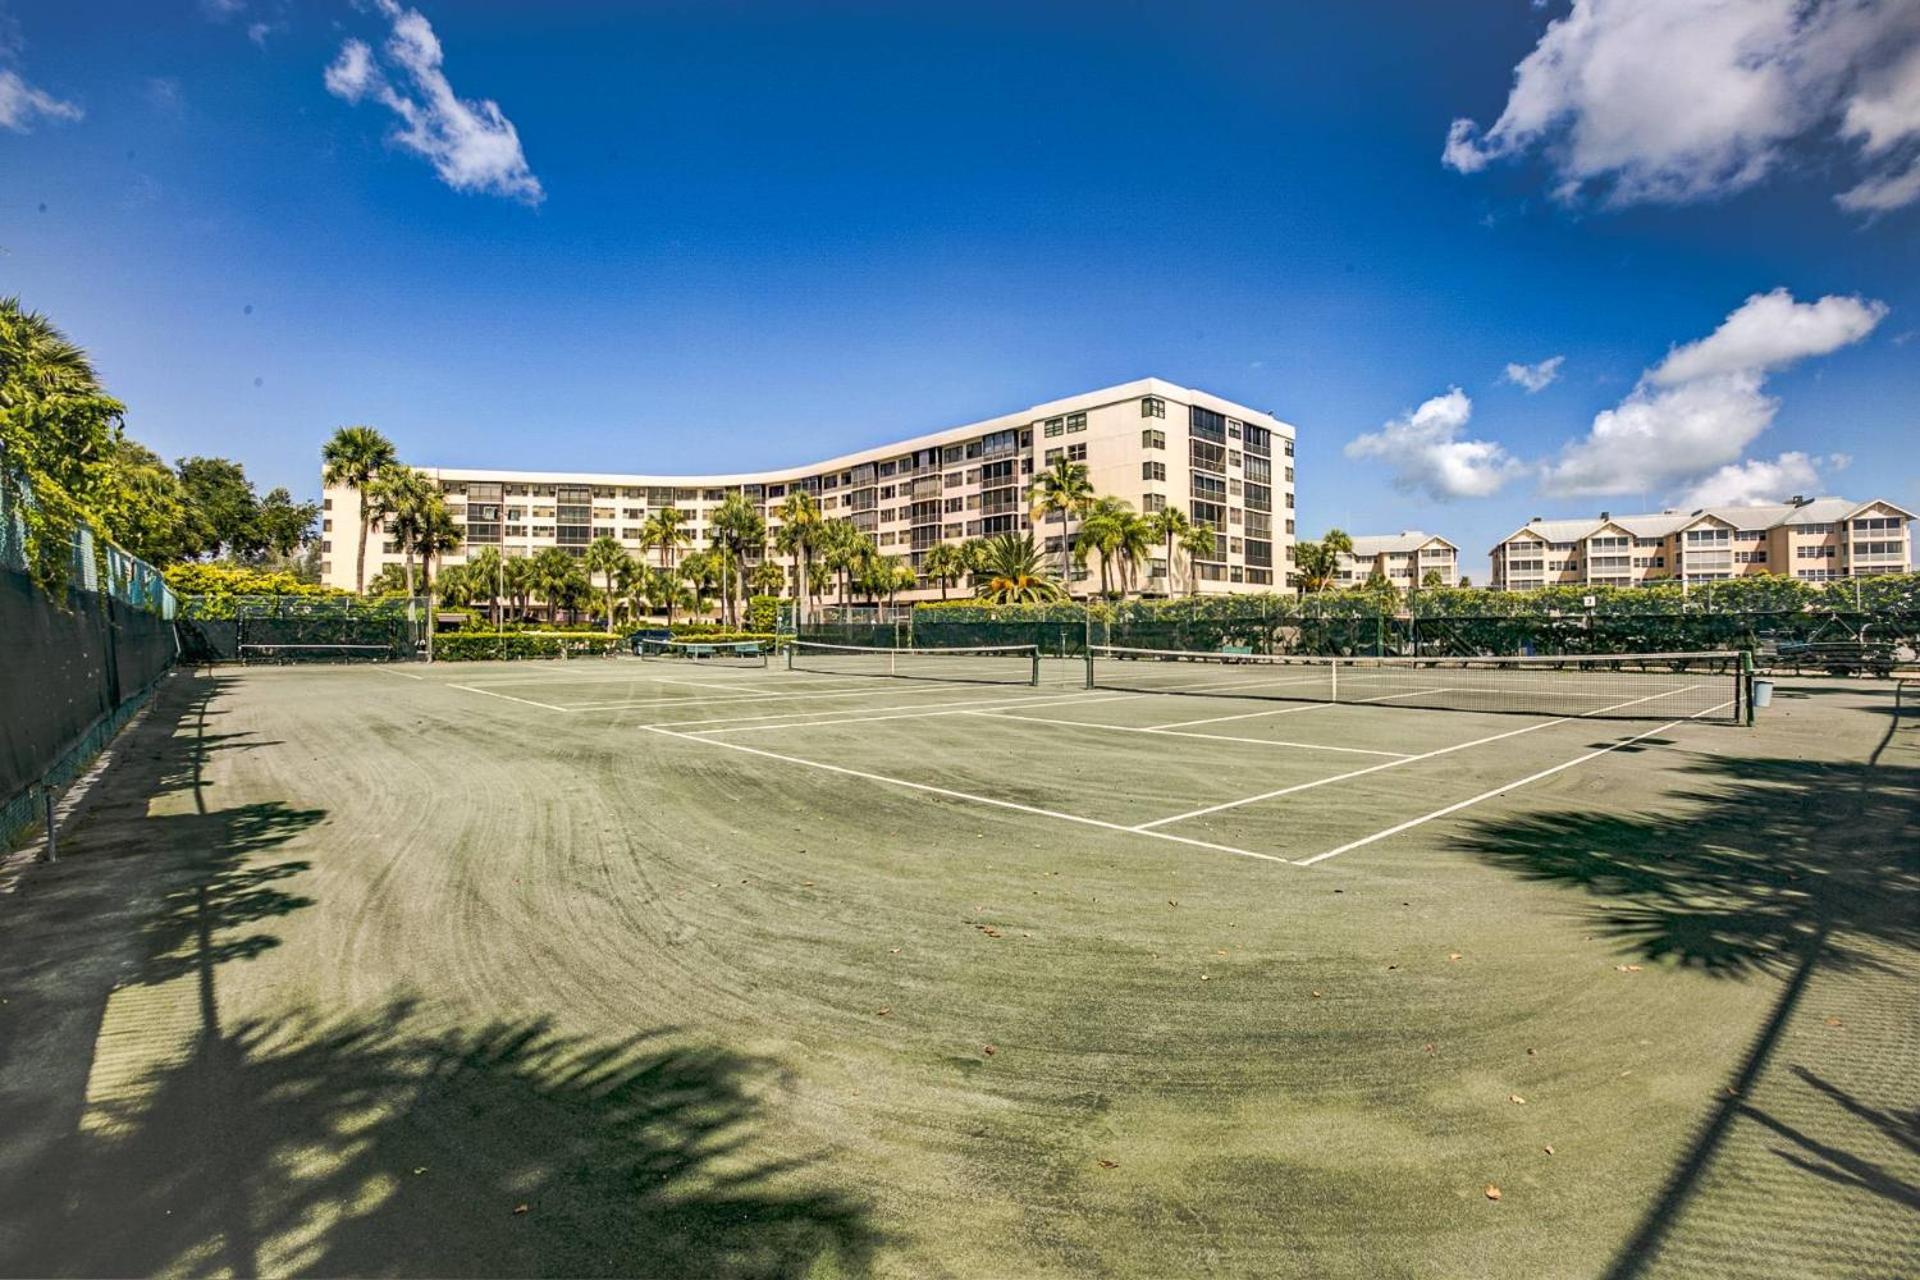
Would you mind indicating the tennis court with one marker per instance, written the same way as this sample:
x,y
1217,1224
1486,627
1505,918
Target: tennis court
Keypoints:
x,y
938,964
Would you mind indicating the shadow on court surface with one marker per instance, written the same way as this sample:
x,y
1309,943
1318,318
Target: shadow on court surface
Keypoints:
x,y
1781,869
366,1144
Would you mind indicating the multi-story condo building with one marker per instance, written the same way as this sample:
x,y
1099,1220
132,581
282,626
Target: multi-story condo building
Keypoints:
x,y
1150,442
1403,559
1814,539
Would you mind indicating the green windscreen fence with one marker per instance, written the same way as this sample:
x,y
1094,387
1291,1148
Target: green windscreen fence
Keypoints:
x,y
72,671
283,629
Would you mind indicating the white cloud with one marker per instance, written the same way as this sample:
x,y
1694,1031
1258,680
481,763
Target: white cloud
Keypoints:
x,y
469,142
1656,101
21,104
1535,377
1690,418
1768,331
1754,481
1424,448
259,31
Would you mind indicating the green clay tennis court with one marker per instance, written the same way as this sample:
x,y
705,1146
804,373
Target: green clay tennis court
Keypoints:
x,y
688,967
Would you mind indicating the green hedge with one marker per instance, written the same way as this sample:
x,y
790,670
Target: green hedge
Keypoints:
x,y
483,646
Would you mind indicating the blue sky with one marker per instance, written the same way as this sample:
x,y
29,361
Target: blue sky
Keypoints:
x,y
731,235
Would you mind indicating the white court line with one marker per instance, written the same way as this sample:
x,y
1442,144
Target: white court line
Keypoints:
x,y
1395,764
673,704
968,796
1316,706
404,675
507,697
1499,790
928,711
1171,733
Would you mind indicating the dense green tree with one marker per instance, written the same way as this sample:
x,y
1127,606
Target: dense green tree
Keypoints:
x,y
222,506
556,577
141,504
351,459
737,532
283,525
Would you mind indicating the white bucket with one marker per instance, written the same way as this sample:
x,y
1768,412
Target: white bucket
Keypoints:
x,y
1762,694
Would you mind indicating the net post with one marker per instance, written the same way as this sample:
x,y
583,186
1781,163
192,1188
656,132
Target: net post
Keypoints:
x,y
1036,667
1333,669
1088,657
790,648
1743,688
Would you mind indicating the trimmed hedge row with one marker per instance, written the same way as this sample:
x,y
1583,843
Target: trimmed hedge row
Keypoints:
x,y
486,646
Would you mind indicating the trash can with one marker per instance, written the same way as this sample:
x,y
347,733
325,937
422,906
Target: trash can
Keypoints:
x,y
1762,694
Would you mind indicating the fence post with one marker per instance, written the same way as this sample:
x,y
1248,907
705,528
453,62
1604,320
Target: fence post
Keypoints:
x,y
52,853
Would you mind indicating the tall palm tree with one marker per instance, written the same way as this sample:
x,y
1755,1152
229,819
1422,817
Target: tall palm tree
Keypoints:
x,y
1198,541
438,534
1104,532
898,575
351,459
701,572
485,568
1015,573
1336,543
1134,548
819,578
946,563
517,576
665,531
1062,491
636,585
1169,524
605,556
767,579
399,498
737,531
799,537
555,576
840,546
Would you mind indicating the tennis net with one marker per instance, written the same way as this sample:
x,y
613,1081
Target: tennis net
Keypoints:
x,y
725,653
984,664
1637,686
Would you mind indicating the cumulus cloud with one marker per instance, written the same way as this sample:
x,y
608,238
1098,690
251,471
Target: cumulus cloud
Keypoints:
x,y
1424,448
21,104
1653,101
1535,377
1691,417
469,142
1754,481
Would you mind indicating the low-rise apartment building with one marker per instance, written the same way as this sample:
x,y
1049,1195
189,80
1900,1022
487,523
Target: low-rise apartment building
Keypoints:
x,y
1404,559
1150,442
1813,539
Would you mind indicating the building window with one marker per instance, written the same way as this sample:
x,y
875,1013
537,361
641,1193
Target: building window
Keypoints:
x,y
1076,422
1153,438
1153,407
1153,471
1077,453
1055,426
1153,502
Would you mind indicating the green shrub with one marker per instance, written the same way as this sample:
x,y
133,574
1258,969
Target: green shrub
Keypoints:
x,y
478,646
763,613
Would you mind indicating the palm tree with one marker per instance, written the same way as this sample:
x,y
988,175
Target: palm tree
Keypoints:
x,y
898,575
438,535
605,556
484,566
555,576
840,551
1014,571
1103,531
1317,564
1169,524
1135,546
1062,490
664,531
1337,544
767,579
945,563
637,586
819,578
701,572
458,585
1198,541
737,530
799,536
351,459
516,575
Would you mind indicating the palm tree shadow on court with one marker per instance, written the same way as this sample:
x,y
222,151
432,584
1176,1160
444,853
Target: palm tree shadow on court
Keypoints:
x,y
1778,868
369,1143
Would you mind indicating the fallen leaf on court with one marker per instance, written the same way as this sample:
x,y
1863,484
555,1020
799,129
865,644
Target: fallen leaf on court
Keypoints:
x,y
1392,967
1453,955
1627,968
893,951
521,1208
1316,995
1514,1097
988,1049
1219,951
1429,1047
1835,1022
1548,1150
1532,1052
1109,1164
1173,902
882,1013
991,933
1493,1192
418,1170
1206,977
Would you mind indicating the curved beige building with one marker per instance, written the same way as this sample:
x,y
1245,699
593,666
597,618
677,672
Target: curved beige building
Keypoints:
x,y
1150,442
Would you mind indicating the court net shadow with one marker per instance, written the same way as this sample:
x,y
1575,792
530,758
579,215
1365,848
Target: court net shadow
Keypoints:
x,y
1778,869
